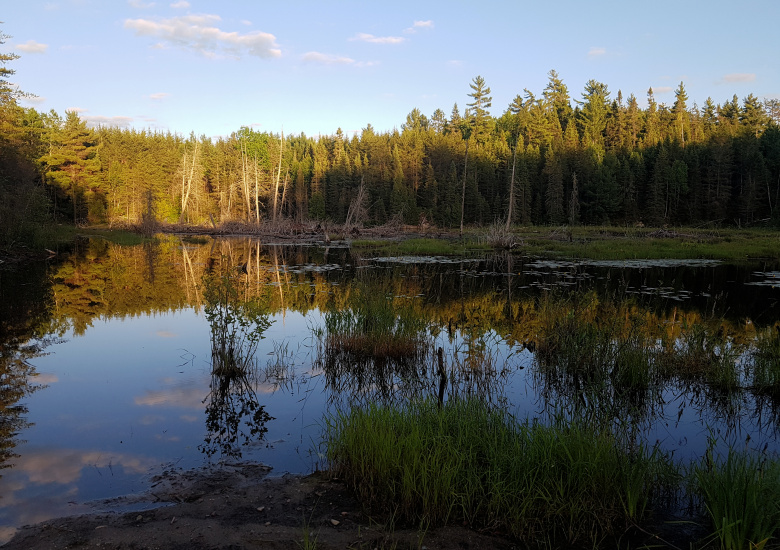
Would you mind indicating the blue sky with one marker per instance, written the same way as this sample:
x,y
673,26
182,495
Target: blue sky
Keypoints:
x,y
315,66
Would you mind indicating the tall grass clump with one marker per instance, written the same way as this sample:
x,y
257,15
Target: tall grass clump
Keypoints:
x,y
703,353
557,484
740,494
765,363
589,353
373,328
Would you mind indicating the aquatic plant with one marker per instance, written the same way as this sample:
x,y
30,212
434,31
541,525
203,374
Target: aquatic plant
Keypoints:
x,y
372,340
562,483
764,366
233,413
741,496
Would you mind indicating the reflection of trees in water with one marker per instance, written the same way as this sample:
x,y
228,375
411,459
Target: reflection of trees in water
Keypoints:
x,y
234,416
16,376
379,347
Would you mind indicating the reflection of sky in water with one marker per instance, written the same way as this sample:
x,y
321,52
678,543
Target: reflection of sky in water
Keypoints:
x,y
125,401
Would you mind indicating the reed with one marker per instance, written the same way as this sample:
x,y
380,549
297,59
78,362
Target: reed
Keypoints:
x,y
740,494
765,363
463,461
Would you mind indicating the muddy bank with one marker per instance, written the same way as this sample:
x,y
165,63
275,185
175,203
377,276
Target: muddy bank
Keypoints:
x,y
241,507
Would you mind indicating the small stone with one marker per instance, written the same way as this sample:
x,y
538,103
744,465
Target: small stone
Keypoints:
x,y
268,523
260,508
139,518
334,522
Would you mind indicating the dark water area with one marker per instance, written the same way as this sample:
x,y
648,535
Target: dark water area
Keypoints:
x,y
108,359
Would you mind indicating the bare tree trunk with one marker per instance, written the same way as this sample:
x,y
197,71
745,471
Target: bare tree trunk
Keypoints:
x,y
257,196
463,194
511,191
244,170
278,175
189,181
284,190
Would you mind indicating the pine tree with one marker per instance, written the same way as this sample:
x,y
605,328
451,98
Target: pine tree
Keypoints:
x,y
479,109
681,116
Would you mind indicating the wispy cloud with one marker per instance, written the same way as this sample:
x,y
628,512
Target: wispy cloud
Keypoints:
x,y
77,109
419,25
159,95
198,33
182,4
662,89
596,51
31,46
739,77
34,100
140,4
365,37
326,59
116,121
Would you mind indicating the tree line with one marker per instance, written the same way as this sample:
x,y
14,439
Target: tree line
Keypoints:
x,y
547,159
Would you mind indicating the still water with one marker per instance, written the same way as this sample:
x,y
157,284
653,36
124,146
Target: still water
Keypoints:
x,y
107,356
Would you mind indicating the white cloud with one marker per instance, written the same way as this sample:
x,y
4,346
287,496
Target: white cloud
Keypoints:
x,y
45,378
117,121
76,109
419,25
662,89
364,37
326,59
31,46
596,51
140,4
159,95
182,4
34,100
197,32
454,63
739,77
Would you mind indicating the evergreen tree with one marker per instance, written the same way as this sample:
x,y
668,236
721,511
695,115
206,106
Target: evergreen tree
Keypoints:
x,y
478,108
593,116
681,116
71,165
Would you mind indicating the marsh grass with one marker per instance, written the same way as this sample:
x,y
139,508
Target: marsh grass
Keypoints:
x,y
593,358
373,340
462,461
765,363
740,494
420,246
615,243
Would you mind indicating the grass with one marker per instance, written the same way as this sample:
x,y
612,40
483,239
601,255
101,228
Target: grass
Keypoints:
x,y
420,247
741,496
560,483
612,243
765,363
373,326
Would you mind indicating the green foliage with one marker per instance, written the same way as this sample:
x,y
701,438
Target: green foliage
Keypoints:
x,y
238,322
557,484
741,496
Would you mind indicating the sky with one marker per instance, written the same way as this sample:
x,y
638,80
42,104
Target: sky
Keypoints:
x,y
316,66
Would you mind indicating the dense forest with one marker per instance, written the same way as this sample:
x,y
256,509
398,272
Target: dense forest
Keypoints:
x,y
548,158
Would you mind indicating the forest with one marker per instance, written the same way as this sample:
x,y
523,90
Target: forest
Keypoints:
x,y
548,159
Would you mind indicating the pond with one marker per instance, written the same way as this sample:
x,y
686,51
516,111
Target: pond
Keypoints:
x,y
110,366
